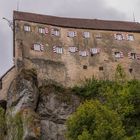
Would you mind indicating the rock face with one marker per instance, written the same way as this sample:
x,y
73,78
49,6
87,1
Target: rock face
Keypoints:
x,y
22,120
54,108
35,113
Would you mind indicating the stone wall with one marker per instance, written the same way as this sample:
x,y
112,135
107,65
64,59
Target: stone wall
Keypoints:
x,y
70,68
6,81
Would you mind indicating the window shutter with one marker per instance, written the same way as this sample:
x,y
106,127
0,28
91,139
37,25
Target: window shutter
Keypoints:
x,y
46,30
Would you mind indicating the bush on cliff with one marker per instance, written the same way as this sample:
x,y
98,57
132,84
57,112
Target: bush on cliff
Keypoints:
x,y
94,121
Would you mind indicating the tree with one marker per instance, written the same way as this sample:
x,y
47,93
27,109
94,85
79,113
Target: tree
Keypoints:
x,y
120,74
94,121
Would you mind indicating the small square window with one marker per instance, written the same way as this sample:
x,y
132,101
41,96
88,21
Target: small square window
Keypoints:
x,y
132,55
84,66
27,28
130,70
130,37
41,30
55,32
95,50
118,54
71,34
101,68
118,36
86,35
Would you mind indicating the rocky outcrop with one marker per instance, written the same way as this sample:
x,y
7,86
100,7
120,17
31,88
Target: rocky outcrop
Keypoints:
x,y
54,108
3,104
37,113
22,120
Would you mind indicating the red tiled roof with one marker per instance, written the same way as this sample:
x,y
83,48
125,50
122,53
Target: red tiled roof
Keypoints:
x,y
78,23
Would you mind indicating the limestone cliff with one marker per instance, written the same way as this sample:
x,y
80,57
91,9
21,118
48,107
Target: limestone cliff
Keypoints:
x,y
37,113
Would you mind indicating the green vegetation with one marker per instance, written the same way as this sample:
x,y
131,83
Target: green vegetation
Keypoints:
x,y
110,110
62,94
15,127
95,122
2,124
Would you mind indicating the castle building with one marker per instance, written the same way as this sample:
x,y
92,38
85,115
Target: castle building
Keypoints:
x,y
68,50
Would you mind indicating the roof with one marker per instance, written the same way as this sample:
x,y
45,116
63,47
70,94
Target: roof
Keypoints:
x,y
94,24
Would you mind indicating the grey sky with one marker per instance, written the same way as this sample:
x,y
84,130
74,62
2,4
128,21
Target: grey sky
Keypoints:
x,y
101,9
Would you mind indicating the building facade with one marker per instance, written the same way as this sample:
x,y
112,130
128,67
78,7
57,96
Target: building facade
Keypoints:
x,y
69,50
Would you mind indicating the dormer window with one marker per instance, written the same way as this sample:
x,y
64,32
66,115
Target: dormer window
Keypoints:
x,y
55,32
86,34
38,47
41,30
130,37
72,34
27,28
118,54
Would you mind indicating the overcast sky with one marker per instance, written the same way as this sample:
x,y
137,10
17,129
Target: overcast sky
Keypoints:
x,y
100,9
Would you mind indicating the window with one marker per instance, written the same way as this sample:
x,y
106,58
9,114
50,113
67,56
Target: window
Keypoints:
x,y
27,28
38,47
0,84
84,53
95,50
118,54
72,34
73,49
41,30
84,66
101,68
86,35
119,36
130,37
55,32
130,70
132,55
57,49
98,36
